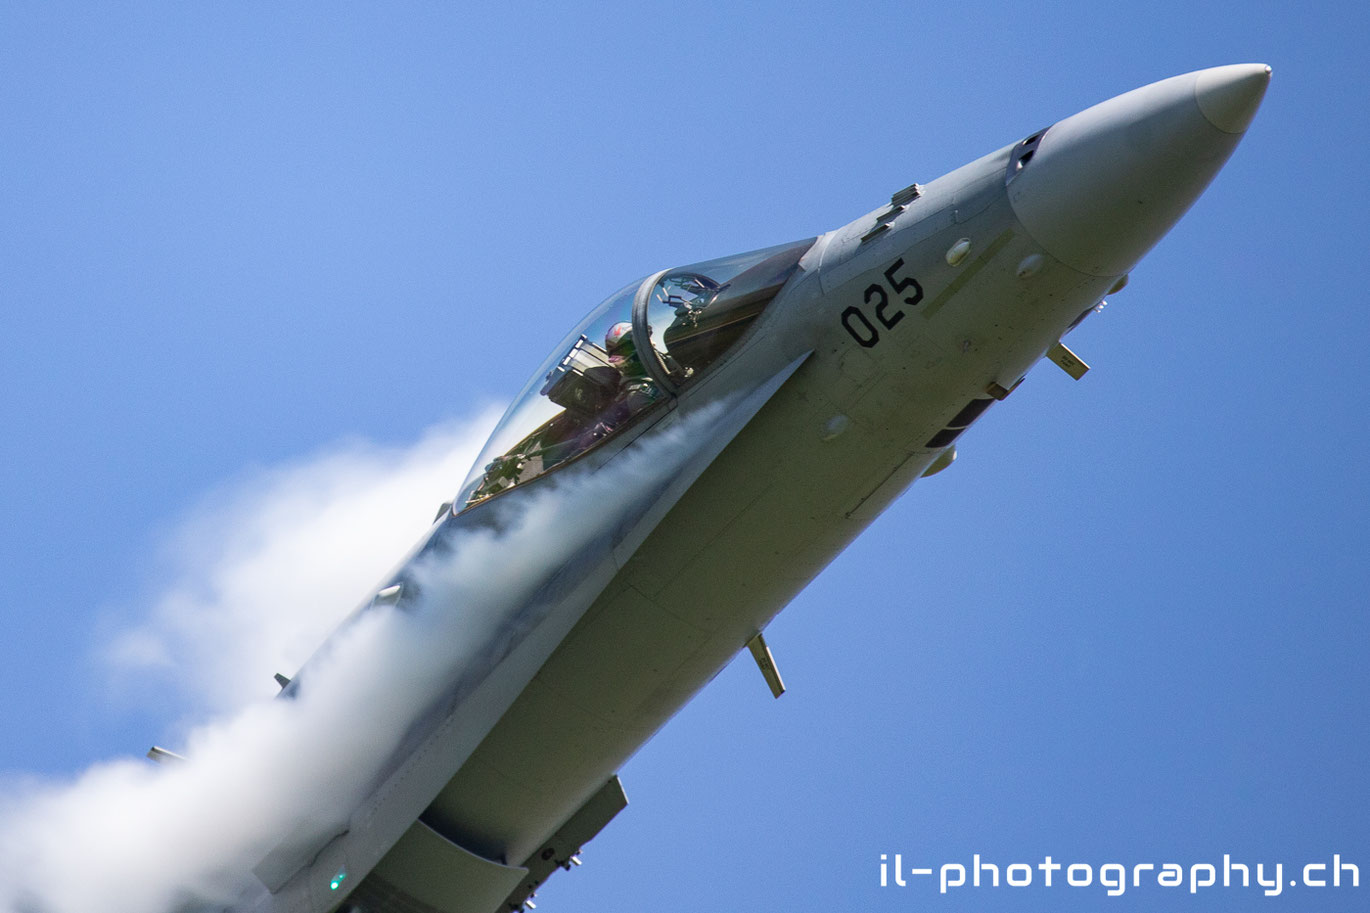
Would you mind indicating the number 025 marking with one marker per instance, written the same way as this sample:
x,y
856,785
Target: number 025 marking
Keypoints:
x,y
860,326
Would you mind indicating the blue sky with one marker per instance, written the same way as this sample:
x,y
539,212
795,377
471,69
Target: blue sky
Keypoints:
x,y
1129,624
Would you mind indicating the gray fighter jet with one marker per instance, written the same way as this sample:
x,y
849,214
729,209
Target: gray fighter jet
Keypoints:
x,y
700,447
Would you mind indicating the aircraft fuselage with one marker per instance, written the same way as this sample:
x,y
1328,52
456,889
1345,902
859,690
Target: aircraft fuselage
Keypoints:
x,y
892,336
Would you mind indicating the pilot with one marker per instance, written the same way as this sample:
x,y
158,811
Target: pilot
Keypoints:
x,y
637,389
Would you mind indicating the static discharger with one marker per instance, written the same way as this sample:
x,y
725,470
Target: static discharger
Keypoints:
x,y
766,663
1067,360
162,756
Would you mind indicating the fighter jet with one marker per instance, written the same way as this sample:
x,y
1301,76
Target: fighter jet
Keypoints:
x,y
708,439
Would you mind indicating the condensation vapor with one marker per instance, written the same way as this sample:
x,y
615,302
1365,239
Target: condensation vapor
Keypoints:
x,y
130,836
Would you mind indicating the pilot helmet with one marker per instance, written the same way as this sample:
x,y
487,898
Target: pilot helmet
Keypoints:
x,y
619,339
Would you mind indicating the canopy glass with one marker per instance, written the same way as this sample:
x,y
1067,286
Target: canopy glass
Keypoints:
x,y
599,380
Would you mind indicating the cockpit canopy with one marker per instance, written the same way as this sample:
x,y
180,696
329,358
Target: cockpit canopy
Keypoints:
x,y
640,347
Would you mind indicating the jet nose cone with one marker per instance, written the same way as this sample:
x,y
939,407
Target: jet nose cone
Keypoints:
x,y
1103,186
1229,96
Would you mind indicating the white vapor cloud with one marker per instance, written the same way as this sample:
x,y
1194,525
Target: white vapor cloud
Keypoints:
x,y
262,575
266,567
257,576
